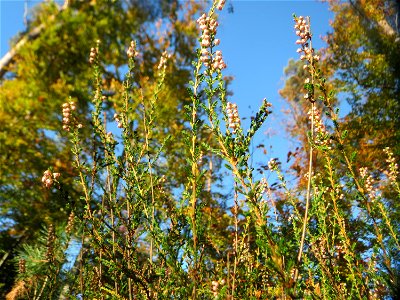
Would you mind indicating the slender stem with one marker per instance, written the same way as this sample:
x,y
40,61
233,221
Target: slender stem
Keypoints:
x,y
147,147
236,210
310,165
195,173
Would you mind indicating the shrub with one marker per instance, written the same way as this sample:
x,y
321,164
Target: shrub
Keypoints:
x,y
142,236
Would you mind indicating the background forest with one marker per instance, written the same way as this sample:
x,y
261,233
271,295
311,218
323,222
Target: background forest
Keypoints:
x,y
127,172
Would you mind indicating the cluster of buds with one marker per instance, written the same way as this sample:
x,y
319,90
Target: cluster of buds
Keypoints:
x,y
319,248
218,62
221,4
70,223
22,266
272,164
319,127
93,55
233,116
215,286
131,52
368,183
49,178
116,118
164,57
363,172
393,166
68,118
110,137
338,192
303,32
50,243
208,27
265,187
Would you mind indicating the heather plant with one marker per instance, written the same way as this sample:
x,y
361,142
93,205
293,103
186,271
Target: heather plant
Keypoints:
x,y
48,62
142,236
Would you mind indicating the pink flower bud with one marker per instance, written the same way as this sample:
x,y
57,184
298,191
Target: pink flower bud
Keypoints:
x,y
221,4
205,43
216,42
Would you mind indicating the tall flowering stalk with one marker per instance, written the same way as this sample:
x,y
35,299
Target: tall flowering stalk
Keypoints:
x,y
303,31
330,239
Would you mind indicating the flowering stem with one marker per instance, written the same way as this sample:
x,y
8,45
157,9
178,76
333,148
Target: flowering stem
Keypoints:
x,y
310,163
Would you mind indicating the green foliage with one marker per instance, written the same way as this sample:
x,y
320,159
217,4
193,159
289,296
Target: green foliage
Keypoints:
x,y
53,67
147,233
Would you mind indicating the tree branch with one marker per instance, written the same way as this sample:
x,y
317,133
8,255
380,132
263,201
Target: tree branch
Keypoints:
x,y
8,58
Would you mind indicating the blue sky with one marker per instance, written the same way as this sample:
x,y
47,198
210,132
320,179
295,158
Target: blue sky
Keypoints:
x,y
257,41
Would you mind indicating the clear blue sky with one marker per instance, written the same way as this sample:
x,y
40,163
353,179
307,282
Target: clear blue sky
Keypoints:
x,y
257,41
